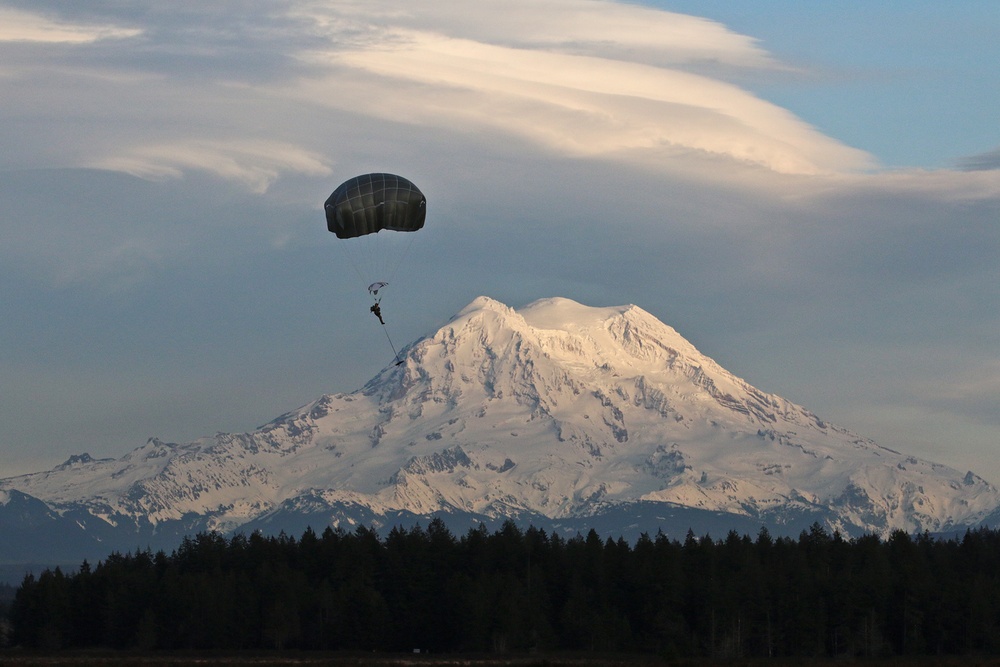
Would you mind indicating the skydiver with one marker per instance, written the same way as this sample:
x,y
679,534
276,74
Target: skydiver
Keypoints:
x,y
377,309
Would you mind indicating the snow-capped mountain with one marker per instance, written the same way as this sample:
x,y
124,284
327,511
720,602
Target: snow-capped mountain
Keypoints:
x,y
560,414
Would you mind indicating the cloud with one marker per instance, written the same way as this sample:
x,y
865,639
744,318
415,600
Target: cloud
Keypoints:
x,y
982,162
626,32
23,26
583,105
584,79
109,233
963,390
254,164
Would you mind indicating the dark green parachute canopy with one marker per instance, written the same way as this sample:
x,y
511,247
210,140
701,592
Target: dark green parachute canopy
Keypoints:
x,y
372,202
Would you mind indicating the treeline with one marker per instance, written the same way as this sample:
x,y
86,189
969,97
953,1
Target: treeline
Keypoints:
x,y
6,597
518,590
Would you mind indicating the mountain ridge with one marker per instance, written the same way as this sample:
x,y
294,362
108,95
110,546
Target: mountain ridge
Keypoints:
x,y
556,412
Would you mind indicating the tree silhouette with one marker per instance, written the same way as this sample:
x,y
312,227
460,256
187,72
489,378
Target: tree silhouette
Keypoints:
x,y
516,590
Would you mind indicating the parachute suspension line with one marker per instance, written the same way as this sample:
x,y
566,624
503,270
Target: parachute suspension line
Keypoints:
x,y
376,260
395,354
349,253
402,256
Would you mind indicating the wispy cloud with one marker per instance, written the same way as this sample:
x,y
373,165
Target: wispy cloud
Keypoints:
x,y
585,78
578,105
981,162
23,26
626,32
580,78
254,164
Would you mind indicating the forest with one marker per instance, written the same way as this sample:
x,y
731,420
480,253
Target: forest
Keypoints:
x,y
525,590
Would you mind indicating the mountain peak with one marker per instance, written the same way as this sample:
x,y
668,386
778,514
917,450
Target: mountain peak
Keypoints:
x,y
596,330
77,460
563,313
484,303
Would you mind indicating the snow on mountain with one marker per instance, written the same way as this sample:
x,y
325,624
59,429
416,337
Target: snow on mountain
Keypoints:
x,y
558,410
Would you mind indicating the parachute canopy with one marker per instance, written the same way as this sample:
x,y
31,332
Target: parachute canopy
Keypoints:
x,y
369,203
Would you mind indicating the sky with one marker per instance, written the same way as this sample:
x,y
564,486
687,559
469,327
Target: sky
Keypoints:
x,y
808,192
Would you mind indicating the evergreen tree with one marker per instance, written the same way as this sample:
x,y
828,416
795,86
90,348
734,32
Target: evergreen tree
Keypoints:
x,y
518,590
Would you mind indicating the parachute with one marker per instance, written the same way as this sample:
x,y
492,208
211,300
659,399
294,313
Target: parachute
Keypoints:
x,y
365,212
370,203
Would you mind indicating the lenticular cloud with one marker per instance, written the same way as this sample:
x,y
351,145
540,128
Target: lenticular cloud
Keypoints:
x,y
573,89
